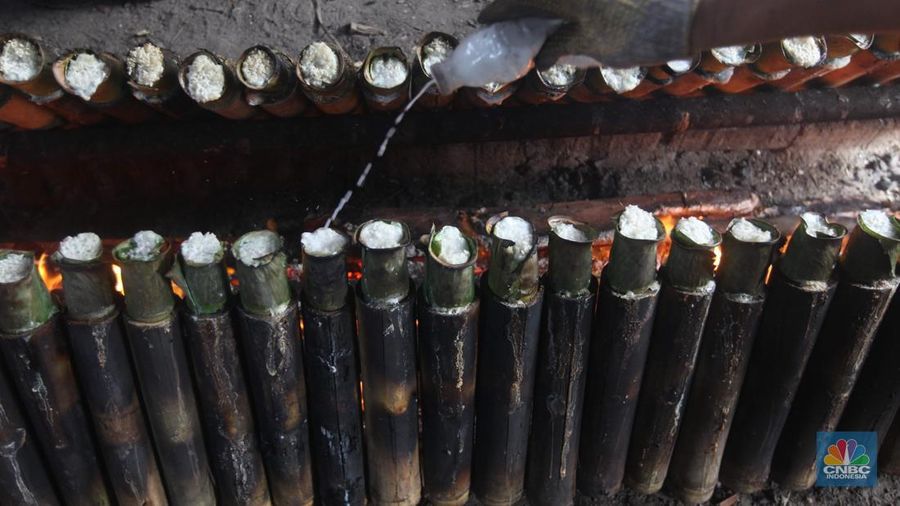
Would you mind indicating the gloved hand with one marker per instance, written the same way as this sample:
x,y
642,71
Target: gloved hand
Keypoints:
x,y
618,33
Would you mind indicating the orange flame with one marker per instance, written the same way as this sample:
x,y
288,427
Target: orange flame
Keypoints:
x,y
668,221
178,291
718,259
117,272
53,280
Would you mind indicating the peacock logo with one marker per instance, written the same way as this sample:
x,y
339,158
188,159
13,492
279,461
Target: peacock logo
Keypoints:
x,y
846,452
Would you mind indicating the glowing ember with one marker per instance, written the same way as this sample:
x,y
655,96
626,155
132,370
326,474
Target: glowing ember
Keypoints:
x,y
718,259
117,272
51,276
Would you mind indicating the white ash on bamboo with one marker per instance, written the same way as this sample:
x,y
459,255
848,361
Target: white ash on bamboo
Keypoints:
x,y
627,299
447,332
747,251
161,366
227,417
385,314
36,356
271,82
684,302
210,82
270,339
101,360
868,280
561,364
509,325
329,339
328,78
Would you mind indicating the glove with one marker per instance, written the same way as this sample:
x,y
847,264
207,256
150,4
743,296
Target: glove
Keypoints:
x,y
618,33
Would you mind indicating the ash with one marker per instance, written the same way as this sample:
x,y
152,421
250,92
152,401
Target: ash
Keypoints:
x,y
20,60
205,79
145,64
85,73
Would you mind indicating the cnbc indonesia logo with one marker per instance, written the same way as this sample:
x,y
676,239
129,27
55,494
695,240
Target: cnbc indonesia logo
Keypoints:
x,y
846,461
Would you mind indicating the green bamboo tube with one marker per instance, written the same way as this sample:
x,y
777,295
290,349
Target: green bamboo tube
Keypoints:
x,y
513,276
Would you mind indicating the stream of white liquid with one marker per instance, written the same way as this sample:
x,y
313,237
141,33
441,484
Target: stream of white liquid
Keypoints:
x,y
361,181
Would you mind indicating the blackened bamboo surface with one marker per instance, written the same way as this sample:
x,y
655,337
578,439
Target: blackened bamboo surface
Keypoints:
x,y
39,364
387,351
162,370
274,359
675,342
618,352
507,352
101,362
830,374
334,408
23,477
876,397
721,366
790,323
226,414
447,354
559,398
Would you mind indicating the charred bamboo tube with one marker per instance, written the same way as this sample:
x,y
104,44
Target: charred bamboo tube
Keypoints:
x,y
448,329
562,365
328,78
161,365
776,61
270,338
33,75
23,478
104,372
550,85
840,49
684,300
385,79
884,50
329,340
800,291
99,80
874,402
509,326
868,280
889,451
662,75
722,361
433,48
716,66
17,110
271,82
226,414
386,321
209,80
623,322
37,359
153,78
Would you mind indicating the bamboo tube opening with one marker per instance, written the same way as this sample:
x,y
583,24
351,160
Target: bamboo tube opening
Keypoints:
x,y
513,271
747,250
24,65
324,276
94,77
450,268
632,258
571,259
385,271
692,258
25,303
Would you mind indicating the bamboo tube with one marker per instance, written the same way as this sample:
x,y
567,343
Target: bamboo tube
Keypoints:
x,y
840,49
605,83
868,281
550,85
215,88
382,91
490,95
509,326
104,372
328,78
562,364
153,78
433,48
236,462
776,61
161,365
37,359
800,292
386,322
109,96
329,340
271,82
874,402
721,363
270,338
23,478
684,301
659,76
21,112
716,66
448,329
38,83
626,305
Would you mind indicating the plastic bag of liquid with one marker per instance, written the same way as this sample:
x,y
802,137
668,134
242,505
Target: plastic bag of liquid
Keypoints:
x,y
498,53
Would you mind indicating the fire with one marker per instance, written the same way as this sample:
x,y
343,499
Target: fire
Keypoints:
x,y
668,221
178,291
718,259
53,280
117,272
